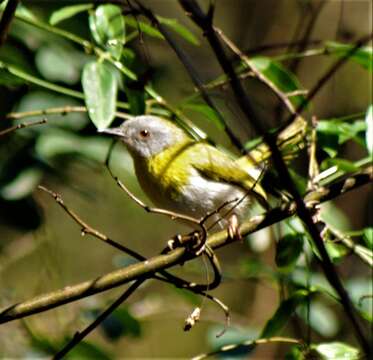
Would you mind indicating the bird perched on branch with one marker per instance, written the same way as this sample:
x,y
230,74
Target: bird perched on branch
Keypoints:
x,y
187,176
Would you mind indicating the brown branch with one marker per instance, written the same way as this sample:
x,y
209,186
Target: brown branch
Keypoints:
x,y
6,19
22,126
63,110
195,12
122,276
181,54
198,289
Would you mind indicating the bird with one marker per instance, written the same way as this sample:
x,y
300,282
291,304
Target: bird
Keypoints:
x,y
181,174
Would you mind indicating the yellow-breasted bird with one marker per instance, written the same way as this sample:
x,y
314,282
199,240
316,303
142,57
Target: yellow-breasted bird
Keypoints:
x,y
187,176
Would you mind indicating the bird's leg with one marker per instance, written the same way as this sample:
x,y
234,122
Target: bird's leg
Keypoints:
x,y
233,228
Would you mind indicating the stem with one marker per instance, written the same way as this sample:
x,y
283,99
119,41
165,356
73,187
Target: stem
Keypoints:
x,y
158,263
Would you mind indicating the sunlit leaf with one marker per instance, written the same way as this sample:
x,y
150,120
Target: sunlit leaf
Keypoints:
x,y
108,28
206,111
368,237
362,56
22,185
369,129
343,165
175,25
288,249
56,142
283,313
279,76
334,217
336,351
100,91
67,12
332,133
40,100
295,353
336,251
144,27
58,63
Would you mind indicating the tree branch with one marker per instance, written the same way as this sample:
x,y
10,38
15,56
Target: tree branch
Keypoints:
x,y
133,272
195,12
6,19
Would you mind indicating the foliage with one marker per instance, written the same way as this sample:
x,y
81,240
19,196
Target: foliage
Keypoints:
x,y
85,63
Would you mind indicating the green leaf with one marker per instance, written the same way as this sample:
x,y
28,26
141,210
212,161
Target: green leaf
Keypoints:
x,y
39,100
336,251
295,353
362,56
283,313
136,101
288,250
174,24
85,351
121,323
369,129
68,12
108,28
144,27
13,55
321,318
59,63
207,111
279,76
368,237
332,133
360,289
56,142
100,91
336,351
343,165
334,217
22,185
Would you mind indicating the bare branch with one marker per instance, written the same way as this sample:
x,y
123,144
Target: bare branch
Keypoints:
x,y
6,19
22,126
177,256
194,11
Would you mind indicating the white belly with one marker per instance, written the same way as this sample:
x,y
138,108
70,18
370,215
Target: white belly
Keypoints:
x,y
201,196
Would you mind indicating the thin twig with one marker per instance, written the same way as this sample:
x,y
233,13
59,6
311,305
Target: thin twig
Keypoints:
x,y
184,58
198,289
155,264
249,343
6,19
193,9
89,230
22,126
63,110
80,335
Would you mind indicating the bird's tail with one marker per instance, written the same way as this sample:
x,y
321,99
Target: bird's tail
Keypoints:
x,y
290,141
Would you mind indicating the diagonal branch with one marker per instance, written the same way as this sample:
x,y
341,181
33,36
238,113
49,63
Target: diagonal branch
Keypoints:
x,y
6,19
204,22
133,272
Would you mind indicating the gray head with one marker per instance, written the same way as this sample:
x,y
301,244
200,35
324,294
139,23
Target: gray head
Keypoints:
x,y
148,135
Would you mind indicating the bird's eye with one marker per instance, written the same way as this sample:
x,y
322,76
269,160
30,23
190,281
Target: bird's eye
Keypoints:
x,y
144,133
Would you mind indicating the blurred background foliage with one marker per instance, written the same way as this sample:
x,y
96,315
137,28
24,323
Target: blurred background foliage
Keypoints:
x,y
41,249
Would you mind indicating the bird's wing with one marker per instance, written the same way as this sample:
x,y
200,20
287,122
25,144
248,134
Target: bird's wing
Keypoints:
x,y
218,166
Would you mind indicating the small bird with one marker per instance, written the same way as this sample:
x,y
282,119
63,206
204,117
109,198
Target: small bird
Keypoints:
x,y
187,176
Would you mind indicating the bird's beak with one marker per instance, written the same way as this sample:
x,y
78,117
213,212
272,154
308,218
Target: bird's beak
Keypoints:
x,y
113,131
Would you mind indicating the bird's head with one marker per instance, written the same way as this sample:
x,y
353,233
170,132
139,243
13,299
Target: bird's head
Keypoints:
x,y
147,135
